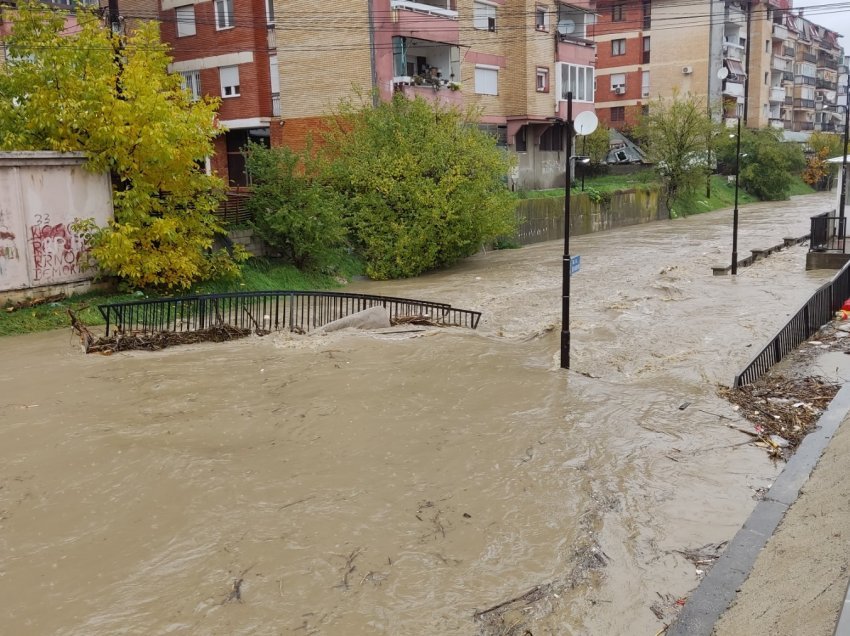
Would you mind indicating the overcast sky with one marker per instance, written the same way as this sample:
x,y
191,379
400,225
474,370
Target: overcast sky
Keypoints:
x,y
832,14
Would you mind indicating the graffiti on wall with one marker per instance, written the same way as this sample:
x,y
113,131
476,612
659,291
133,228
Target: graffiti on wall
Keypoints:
x,y
8,249
57,252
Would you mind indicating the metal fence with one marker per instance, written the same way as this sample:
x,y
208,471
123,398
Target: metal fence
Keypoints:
x,y
268,311
828,233
817,312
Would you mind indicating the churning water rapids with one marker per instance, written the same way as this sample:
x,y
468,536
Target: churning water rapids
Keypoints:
x,y
398,484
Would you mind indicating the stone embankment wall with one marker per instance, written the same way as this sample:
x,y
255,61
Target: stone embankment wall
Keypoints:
x,y
41,194
543,219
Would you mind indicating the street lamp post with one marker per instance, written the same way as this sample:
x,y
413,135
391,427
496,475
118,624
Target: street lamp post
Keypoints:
x,y
843,200
735,211
566,265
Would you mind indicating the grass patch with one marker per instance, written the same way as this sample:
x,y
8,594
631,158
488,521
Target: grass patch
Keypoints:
x,y
722,196
798,187
603,183
257,275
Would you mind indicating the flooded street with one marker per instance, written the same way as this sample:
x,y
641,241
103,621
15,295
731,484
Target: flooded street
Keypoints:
x,y
405,483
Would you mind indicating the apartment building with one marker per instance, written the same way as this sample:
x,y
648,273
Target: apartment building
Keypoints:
x,y
227,49
623,37
515,60
651,48
794,76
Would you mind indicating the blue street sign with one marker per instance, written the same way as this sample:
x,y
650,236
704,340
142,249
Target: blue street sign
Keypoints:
x,y
575,265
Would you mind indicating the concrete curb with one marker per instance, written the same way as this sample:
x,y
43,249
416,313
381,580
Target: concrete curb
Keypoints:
x,y
719,588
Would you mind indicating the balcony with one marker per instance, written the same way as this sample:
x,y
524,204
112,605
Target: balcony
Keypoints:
x,y
442,8
808,57
826,85
439,94
788,51
777,123
780,32
777,94
275,104
787,76
800,126
423,62
826,62
804,104
733,89
735,15
789,101
733,50
804,80
779,64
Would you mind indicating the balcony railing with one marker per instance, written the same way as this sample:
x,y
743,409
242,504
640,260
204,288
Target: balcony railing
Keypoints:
x,y
780,64
789,100
733,89
444,8
809,57
788,51
827,85
825,62
800,126
787,76
777,123
777,94
780,32
804,103
805,80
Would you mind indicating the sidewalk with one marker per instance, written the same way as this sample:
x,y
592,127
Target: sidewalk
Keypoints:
x,y
786,572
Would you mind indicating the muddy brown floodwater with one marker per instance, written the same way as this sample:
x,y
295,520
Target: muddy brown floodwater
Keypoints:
x,y
404,483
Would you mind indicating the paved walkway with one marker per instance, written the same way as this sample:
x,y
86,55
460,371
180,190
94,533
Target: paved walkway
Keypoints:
x,y
786,572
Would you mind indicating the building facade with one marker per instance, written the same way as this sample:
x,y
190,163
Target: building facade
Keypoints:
x,y
758,60
514,60
227,49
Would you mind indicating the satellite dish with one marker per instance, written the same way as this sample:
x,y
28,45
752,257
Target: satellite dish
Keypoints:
x,y
585,123
566,26
722,73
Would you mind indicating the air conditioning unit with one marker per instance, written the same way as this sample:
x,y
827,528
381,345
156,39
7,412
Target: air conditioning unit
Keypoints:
x,y
687,70
620,90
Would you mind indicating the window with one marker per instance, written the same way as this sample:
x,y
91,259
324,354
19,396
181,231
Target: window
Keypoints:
x,y
191,81
618,113
644,84
617,13
542,80
646,49
541,19
229,76
269,11
223,14
618,83
576,79
647,14
618,47
499,133
484,16
486,80
552,138
185,17
520,140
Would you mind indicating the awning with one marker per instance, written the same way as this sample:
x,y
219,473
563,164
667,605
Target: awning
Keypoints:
x,y
736,68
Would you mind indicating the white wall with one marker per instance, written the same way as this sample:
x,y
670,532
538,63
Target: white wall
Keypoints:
x,y
41,193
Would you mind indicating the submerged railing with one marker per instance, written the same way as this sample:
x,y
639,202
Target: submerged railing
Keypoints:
x,y
299,311
817,312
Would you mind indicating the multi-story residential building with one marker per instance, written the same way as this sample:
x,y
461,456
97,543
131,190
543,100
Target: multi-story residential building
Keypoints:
x,y
227,49
623,36
790,78
515,60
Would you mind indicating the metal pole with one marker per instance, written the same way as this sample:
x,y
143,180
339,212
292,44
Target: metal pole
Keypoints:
x,y
372,61
583,152
747,69
735,213
843,200
565,272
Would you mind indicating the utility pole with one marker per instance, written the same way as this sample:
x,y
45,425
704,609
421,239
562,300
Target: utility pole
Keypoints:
x,y
372,60
566,273
747,67
843,201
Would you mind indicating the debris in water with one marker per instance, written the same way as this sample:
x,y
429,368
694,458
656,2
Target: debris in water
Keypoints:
x,y
684,405
783,410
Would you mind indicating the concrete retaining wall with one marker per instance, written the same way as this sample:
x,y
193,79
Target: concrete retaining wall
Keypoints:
x,y
543,219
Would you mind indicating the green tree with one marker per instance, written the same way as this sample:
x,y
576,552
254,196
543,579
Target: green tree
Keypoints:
x,y
82,91
596,145
292,211
767,164
423,186
676,134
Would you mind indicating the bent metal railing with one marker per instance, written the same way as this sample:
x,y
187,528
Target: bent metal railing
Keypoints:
x,y
817,312
268,311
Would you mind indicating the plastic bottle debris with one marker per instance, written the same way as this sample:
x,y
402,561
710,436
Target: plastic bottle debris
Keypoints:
x,y
778,442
